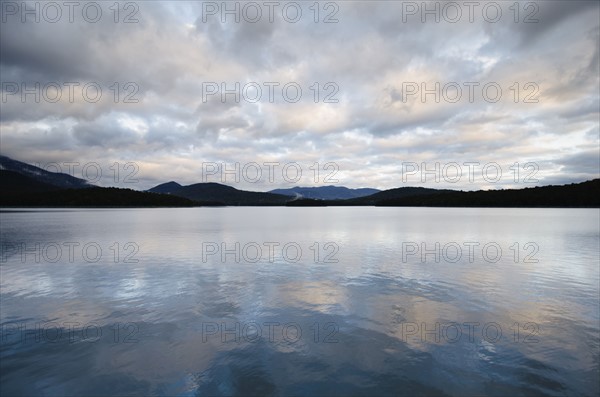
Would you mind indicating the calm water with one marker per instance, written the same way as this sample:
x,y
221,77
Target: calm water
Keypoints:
x,y
312,301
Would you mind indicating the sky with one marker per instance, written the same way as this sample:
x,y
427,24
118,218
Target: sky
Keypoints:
x,y
264,95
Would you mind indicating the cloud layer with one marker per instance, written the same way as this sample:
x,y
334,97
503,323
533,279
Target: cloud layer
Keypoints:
x,y
386,91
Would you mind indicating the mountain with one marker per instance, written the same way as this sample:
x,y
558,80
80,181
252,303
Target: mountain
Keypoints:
x,y
325,192
372,199
23,185
394,194
64,181
166,188
584,194
216,192
14,183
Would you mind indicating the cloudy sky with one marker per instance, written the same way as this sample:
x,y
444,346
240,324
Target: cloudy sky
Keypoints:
x,y
368,92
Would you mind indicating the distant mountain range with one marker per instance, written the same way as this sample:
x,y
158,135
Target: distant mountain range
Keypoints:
x,y
325,192
24,185
215,192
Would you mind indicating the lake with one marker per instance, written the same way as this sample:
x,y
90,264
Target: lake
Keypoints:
x,y
300,301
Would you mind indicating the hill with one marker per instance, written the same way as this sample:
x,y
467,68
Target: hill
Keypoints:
x,y
394,194
325,192
13,183
585,194
23,185
166,188
216,192
64,181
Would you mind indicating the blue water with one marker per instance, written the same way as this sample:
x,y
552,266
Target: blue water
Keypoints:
x,y
312,301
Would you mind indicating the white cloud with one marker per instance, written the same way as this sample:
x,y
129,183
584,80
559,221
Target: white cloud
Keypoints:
x,y
372,126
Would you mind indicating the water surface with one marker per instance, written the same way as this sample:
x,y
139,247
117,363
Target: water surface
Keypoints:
x,y
339,301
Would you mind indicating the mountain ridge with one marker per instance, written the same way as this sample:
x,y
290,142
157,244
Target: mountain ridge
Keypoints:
x,y
212,191
26,185
330,192
58,179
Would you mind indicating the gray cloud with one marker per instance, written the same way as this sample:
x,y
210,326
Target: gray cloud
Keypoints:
x,y
369,54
